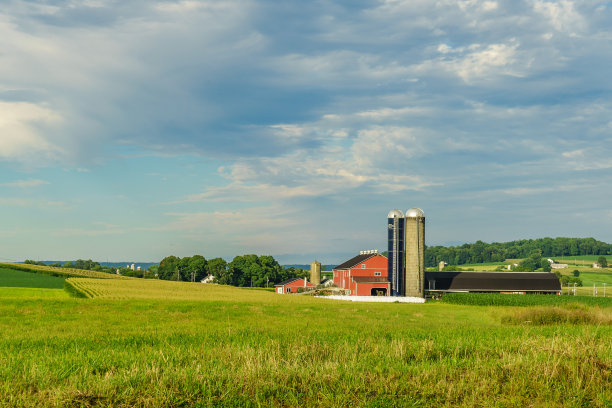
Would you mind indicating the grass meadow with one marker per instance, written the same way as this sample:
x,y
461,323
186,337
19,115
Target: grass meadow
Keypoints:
x,y
145,343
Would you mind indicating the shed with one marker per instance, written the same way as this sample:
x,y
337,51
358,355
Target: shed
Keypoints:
x,y
292,285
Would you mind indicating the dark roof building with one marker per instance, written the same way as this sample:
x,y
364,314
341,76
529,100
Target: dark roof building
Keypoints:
x,y
354,261
522,282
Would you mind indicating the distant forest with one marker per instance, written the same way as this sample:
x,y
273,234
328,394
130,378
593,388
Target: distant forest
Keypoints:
x,y
480,252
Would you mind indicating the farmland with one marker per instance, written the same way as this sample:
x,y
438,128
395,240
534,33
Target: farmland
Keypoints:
x,y
16,278
152,343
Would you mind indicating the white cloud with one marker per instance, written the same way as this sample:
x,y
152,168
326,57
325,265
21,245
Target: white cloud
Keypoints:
x,y
20,138
562,15
495,59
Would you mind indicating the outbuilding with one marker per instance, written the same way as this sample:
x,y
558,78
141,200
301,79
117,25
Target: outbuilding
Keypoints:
x,y
499,282
292,285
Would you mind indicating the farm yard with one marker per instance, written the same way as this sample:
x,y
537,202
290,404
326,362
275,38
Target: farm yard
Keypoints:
x,y
148,343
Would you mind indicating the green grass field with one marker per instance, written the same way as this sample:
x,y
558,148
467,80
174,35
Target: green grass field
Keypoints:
x,y
14,278
142,343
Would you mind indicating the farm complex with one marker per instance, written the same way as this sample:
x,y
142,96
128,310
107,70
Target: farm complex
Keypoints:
x,y
402,272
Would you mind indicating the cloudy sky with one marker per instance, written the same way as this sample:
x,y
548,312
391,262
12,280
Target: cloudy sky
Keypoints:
x,y
132,130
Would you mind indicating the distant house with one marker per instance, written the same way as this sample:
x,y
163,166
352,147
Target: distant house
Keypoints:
x,y
327,282
559,266
292,285
554,265
208,279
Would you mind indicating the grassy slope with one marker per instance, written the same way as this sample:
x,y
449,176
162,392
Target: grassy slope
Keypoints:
x,y
173,344
61,272
14,278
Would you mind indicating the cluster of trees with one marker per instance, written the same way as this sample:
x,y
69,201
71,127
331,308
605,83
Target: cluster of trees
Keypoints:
x,y
188,269
480,252
533,262
88,265
245,270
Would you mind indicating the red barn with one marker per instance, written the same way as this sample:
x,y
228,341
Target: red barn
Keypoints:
x,y
292,285
364,275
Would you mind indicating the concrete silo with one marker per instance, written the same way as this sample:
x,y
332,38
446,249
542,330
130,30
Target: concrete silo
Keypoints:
x,y
415,252
396,258
315,273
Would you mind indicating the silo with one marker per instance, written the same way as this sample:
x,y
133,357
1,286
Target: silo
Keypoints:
x,y
415,252
315,273
395,234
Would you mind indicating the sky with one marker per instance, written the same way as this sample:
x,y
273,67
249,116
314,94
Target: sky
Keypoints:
x,y
134,130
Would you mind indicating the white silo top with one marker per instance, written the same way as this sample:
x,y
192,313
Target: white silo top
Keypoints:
x,y
395,214
415,213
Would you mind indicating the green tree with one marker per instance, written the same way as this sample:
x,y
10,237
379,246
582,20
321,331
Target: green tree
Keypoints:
x,y
576,273
169,268
602,261
152,272
196,268
216,267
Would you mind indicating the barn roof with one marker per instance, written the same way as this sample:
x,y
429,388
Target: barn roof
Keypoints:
x,y
356,260
288,281
494,281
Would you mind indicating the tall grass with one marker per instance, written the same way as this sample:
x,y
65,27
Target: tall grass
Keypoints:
x,y
498,299
570,314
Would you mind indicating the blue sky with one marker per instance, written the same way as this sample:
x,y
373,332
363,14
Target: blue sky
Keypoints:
x,y
132,130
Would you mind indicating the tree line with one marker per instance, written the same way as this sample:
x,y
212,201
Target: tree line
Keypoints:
x,y
481,252
245,270
89,265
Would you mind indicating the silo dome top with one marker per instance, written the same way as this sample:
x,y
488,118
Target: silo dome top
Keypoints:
x,y
415,213
395,214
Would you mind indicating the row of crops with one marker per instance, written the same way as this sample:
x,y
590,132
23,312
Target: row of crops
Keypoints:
x,y
498,299
61,272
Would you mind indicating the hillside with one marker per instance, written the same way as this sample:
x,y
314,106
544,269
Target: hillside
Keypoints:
x,y
482,252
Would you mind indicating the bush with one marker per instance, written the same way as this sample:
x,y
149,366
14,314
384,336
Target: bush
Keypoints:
x,y
567,280
576,273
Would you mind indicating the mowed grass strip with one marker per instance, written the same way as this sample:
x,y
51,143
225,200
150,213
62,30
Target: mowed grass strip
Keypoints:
x,y
224,346
16,278
32,293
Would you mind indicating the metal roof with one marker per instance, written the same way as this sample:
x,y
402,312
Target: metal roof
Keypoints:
x,y
355,261
494,281
287,281
415,213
